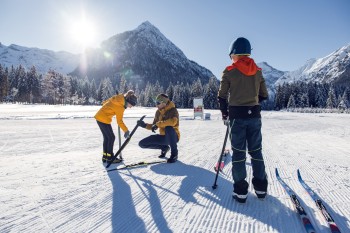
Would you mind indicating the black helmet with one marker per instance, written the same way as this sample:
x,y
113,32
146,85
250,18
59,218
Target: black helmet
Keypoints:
x,y
240,46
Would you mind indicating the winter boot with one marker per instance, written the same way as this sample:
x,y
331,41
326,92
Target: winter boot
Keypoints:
x,y
172,159
240,191
260,194
260,187
108,157
104,159
163,153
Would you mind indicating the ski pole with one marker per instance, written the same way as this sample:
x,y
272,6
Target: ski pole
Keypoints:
x,y
220,158
124,144
120,143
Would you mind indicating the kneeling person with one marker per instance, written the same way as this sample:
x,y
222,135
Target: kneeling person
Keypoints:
x,y
167,121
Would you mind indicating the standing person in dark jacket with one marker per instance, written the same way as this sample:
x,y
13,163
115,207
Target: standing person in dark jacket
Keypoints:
x,y
167,121
242,87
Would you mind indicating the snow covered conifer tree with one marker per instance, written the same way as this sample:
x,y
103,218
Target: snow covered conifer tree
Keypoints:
x,y
170,91
149,96
210,94
33,85
331,100
291,102
23,92
343,103
320,97
177,98
122,85
197,88
107,89
3,83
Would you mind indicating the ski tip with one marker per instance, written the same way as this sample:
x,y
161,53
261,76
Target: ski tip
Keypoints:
x,y
299,175
276,171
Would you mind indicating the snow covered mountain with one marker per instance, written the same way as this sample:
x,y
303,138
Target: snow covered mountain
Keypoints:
x,y
42,59
142,55
334,68
271,76
145,55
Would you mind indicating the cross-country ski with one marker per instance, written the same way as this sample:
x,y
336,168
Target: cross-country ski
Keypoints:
x,y
319,203
298,207
136,165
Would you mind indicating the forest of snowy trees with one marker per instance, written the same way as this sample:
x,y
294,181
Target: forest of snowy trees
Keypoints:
x,y
22,86
312,97
18,85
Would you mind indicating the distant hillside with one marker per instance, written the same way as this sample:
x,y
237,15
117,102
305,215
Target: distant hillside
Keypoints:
x,y
42,59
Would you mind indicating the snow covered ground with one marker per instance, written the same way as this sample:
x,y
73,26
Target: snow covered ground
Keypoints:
x,y
52,178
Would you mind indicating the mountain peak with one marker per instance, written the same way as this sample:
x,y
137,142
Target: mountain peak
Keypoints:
x,y
147,55
146,25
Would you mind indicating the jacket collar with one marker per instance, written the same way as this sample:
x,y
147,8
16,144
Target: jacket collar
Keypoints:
x,y
246,65
170,105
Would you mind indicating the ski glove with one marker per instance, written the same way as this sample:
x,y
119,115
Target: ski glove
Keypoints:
x,y
154,128
141,123
261,98
126,134
223,108
224,115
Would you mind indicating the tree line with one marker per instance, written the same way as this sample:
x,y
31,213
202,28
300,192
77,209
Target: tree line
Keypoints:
x,y
28,86
18,85
300,95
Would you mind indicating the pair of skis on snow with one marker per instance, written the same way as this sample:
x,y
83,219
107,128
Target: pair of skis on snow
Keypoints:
x,y
143,163
301,211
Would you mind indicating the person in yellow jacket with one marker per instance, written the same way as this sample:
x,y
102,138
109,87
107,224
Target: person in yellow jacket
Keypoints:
x,y
167,121
114,106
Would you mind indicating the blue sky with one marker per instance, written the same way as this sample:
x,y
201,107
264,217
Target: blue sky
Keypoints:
x,y
284,34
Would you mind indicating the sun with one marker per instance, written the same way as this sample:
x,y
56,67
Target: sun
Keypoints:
x,y
83,32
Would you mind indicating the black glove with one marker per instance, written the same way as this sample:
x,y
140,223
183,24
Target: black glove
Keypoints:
x,y
224,115
141,123
261,98
154,128
223,105
126,134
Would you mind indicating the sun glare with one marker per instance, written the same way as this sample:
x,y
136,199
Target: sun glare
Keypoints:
x,y
83,32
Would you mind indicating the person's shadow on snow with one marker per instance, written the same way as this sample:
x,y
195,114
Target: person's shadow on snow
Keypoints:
x,y
199,181
124,216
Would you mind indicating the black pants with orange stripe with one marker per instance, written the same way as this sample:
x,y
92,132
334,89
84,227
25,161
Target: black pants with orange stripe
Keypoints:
x,y
108,137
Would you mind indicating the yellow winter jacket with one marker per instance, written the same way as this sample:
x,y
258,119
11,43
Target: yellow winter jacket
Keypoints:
x,y
169,116
114,106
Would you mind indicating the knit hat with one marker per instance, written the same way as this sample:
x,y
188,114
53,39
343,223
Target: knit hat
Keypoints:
x,y
132,99
162,98
241,46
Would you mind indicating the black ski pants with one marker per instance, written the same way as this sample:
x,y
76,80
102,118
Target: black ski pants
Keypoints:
x,y
108,137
